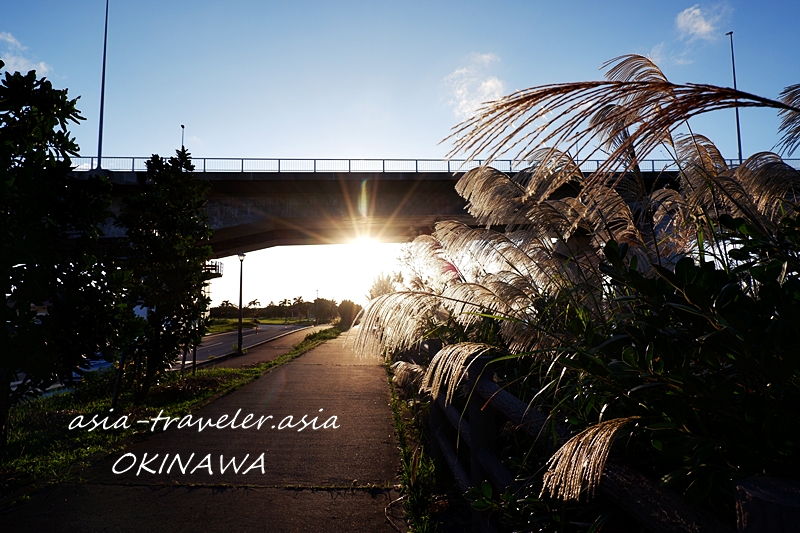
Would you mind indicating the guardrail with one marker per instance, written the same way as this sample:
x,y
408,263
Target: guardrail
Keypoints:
x,y
660,510
221,164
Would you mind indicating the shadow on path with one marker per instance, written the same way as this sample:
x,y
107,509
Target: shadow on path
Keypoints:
x,y
338,477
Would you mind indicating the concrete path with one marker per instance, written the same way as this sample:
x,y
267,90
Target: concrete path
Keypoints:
x,y
338,477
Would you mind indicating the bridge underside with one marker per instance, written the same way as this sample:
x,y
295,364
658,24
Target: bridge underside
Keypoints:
x,y
251,211
297,231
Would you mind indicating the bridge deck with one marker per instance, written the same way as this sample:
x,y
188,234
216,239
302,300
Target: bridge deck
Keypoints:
x,y
260,203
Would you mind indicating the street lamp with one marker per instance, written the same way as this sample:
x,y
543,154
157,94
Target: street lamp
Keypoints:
x,y
241,270
738,131
182,130
102,96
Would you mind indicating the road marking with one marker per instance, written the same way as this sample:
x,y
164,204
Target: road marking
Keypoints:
x,y
210,345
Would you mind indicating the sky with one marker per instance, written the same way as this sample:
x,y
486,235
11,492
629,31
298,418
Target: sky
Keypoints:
x,y
371,79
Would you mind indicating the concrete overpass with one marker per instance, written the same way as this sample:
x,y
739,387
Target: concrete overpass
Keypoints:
x,y
260,203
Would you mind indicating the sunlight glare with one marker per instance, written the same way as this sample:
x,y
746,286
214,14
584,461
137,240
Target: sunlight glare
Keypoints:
x,y
332,271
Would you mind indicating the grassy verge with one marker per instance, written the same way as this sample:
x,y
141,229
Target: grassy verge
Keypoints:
x,y
223,325
417,475
41,448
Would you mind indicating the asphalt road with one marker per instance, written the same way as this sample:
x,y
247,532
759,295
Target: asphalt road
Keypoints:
x,y
222,343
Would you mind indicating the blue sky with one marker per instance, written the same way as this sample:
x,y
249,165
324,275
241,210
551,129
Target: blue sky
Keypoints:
x,y
373,79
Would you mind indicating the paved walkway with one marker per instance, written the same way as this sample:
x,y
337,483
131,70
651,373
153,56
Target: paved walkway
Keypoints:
x,y
329,479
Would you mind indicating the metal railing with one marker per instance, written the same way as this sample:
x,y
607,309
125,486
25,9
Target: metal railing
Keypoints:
x,y
247,164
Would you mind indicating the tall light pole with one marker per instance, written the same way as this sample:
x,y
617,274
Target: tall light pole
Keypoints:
x,y
738,131
241,270
182,130
102,95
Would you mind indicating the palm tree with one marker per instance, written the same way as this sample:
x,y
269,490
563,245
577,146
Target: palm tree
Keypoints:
x,y
570,247
284,304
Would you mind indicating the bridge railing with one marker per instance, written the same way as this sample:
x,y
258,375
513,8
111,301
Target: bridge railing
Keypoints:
x,y
222,164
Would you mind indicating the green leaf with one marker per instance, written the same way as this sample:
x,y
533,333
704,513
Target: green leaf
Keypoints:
x,y
648,356
685,271
662,425
727,294
482,505
486,489
699,489
601,520
645,386
630,356
683,307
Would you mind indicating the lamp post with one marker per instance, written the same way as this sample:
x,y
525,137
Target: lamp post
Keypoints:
x,y
102,96
182,130
738,131
241,270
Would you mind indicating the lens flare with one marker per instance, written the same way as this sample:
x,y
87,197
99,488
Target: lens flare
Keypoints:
x,y
363,199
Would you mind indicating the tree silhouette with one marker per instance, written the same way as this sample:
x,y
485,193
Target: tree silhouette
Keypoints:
x,y
166,225
59,303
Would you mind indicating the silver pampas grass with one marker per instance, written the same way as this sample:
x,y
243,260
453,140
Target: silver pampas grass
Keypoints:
x,y
577,466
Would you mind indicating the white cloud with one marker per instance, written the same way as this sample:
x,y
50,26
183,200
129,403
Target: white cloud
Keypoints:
x,y
696,23
472,85
484,59
20,64
693,25
663,55
657,54
12,42
14,60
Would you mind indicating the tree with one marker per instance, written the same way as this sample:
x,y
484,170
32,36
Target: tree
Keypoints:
x,y
347,313
384,284
284,307
297,305
662,308
165,226
325,310
253,303
49,222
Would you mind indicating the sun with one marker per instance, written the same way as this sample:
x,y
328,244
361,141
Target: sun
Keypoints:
x,y
361,246
365,258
